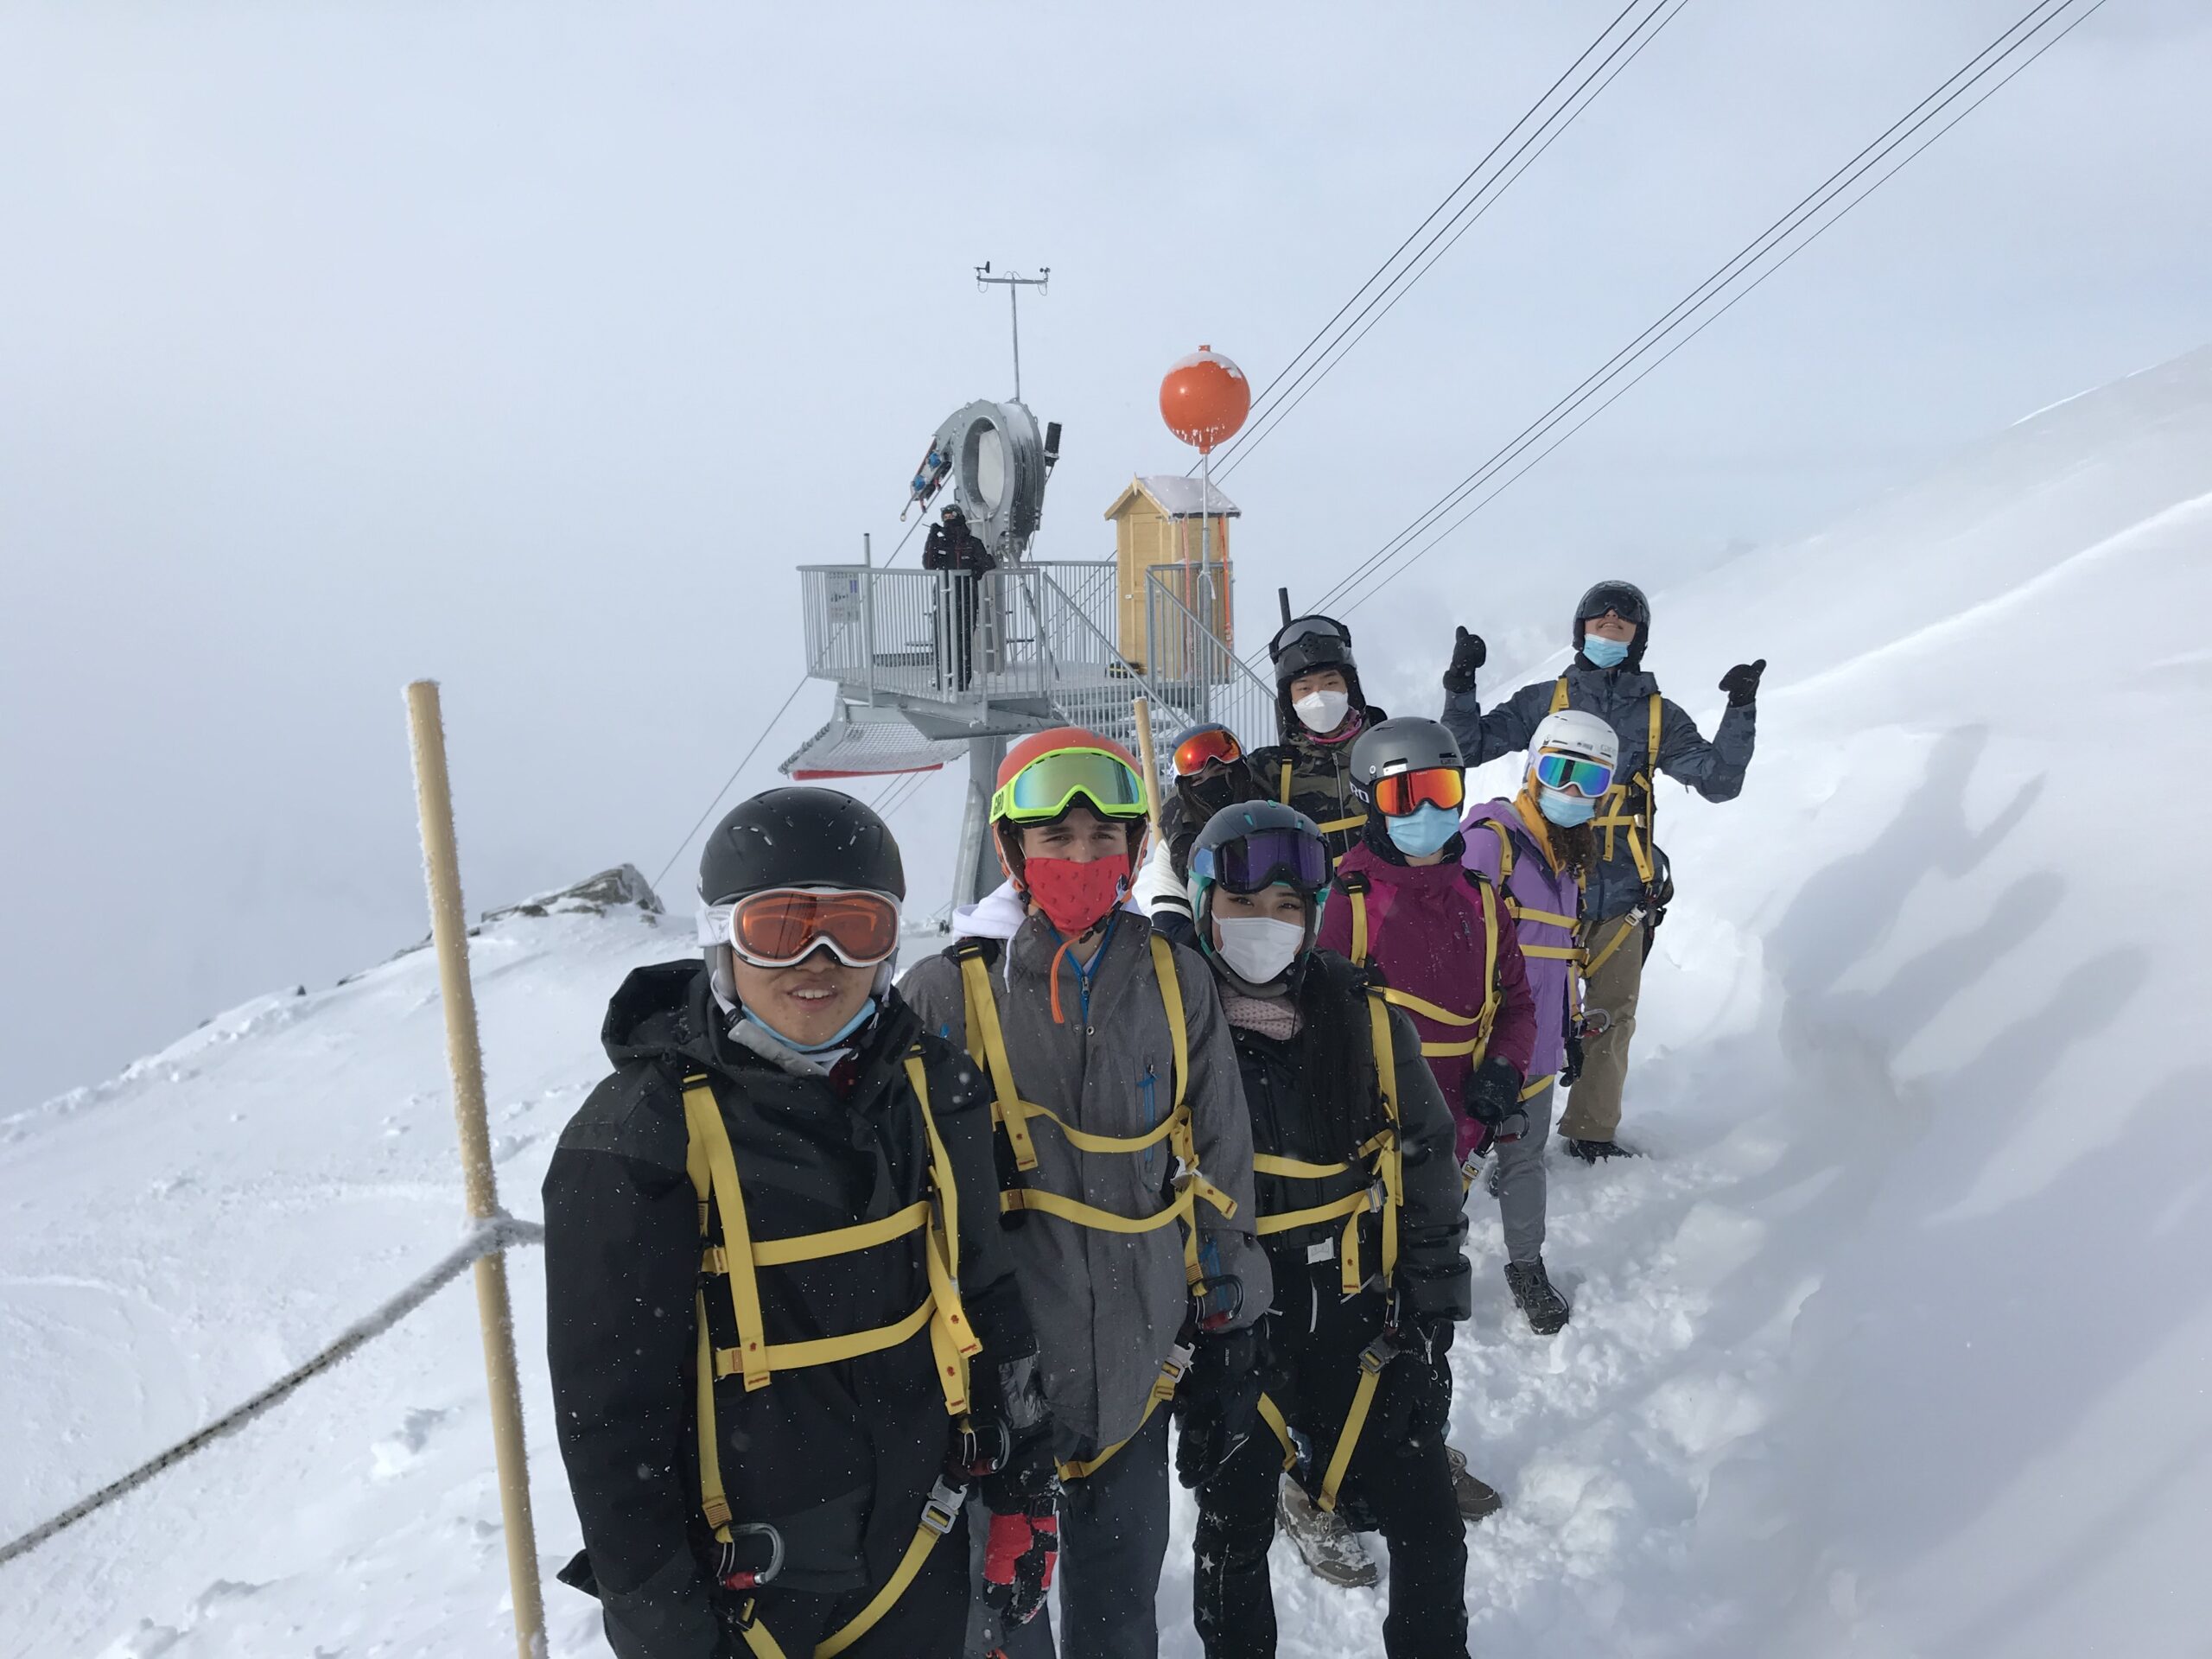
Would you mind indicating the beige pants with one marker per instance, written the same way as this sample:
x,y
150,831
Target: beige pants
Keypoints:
x,y
1593,1105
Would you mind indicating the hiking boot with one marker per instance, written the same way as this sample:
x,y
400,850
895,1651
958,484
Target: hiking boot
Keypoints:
x,y
1535,1296
1590,1151
1329,1548
1477,1500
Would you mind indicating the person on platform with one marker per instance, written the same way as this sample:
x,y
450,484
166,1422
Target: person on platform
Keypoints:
x,y
953,547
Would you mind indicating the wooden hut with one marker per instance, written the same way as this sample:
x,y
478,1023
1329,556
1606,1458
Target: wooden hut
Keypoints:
x,y
1179,526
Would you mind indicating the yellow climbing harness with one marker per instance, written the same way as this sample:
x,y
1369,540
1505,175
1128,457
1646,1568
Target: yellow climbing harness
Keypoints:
x,y
1013,1115
1477,1023
730,1253
1382,1160
1334,826
1615,815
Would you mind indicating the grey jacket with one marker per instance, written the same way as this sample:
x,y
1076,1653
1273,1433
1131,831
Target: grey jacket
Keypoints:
x,y
1621,697
1107,1306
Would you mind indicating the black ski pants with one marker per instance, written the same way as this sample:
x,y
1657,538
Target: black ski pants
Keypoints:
x,y
929,1622
1407,1492
1112,1541
964,592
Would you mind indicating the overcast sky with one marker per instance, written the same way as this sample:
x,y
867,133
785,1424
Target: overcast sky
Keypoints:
x,y
529,346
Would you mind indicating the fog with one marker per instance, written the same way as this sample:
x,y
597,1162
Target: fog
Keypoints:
x,y
529,347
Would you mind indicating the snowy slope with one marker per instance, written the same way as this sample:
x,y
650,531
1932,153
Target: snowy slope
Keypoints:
x,y
1895,1348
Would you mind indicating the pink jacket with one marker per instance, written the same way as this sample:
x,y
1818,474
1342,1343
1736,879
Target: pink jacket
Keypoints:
x,y
1425,935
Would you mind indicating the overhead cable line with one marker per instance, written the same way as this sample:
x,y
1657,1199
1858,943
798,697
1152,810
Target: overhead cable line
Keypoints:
x,y
1742,294
798,686
1677,317
1308,368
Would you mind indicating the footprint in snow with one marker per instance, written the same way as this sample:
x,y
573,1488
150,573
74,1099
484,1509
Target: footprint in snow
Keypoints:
x,y
395,1455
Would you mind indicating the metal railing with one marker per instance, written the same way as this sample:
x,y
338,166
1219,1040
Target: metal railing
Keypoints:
x,y
1039,631
1195,672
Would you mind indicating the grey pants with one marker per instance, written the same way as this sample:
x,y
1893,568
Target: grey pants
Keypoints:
x,y
1518,1180
1113,1541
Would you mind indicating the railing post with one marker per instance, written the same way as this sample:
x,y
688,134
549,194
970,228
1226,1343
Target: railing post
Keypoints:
x,y
867,609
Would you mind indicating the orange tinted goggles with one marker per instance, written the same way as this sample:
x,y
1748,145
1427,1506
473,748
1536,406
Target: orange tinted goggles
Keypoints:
x,y
1406,792
1203,748
784,925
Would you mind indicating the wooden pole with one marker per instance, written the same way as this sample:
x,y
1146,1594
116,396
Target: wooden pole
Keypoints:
x,y
1143,707
464,1056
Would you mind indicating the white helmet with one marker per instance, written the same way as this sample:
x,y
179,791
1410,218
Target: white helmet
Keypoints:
x,y
1572,732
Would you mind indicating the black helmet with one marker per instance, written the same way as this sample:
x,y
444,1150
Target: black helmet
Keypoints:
x,y
799,838
1626,600
1305,643
1405,744
1302,644
1244,847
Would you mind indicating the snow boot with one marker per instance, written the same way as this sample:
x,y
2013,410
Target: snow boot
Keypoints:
x,y
1329,1548
1535,1296
1477,1501
1592,1152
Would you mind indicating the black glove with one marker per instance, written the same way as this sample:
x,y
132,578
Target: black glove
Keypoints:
x,y
1413,1404
1492,1091
1468,654
1741,682
1217,1404
1572,1069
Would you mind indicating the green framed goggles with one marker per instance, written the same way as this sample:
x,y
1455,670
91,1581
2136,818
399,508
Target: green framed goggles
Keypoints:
x,y
1048,786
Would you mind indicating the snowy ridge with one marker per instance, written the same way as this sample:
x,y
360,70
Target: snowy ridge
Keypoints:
x,y
1895,1346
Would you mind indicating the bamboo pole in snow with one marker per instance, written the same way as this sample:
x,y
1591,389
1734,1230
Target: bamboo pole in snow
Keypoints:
x,y
464,1056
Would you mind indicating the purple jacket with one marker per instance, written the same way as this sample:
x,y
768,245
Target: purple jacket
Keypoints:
x,y
1533,887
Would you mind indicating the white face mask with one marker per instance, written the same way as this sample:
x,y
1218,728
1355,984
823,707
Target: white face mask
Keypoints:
x,y
1259,949
1322,711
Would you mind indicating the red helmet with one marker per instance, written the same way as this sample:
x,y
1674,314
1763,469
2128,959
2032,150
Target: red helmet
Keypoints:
x,y
1098,774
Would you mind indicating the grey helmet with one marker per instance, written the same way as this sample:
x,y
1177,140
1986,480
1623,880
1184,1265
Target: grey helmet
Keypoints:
x,y
1407,743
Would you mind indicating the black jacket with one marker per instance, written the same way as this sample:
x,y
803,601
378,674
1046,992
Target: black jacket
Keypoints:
x,y
956,547
1319,776
1314,1099
838,1457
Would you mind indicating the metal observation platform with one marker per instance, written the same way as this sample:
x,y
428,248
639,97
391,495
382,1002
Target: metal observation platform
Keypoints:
x,y
931,664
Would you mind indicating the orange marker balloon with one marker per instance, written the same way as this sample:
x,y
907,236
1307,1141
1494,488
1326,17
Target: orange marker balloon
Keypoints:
x,y
1204,399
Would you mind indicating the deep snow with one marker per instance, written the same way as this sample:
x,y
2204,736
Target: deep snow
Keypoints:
x,y
1897,1345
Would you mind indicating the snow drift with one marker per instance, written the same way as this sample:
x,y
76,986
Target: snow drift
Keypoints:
x,y
1895,1346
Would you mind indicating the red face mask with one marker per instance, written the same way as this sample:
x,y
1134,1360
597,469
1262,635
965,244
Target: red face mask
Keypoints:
x,y
1074,897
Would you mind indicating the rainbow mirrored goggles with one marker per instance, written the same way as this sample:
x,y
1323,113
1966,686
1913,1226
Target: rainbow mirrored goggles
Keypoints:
x,y
1400,793
1048,786
1590,779
779,927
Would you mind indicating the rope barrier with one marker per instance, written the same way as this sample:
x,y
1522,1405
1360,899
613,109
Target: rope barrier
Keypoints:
x,y
496,1233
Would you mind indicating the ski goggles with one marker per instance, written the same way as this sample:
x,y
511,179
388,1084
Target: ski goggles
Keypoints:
x,y
780,926
1215,744
1263,858
1590,779
1401,792
1046,788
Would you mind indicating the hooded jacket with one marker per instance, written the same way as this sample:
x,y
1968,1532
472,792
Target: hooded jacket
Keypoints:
x,y
1425,937
1318,777
1536,884
1314,1097
837,1456
1107,1306
1622,698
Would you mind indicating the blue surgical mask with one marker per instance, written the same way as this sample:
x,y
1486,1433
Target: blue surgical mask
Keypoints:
x,y
1604,652
1563,808
850,1025
1422,830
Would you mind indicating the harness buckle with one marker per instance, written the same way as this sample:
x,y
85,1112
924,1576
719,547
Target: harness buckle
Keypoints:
x,y
941,1509
1378,1353
734,1577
